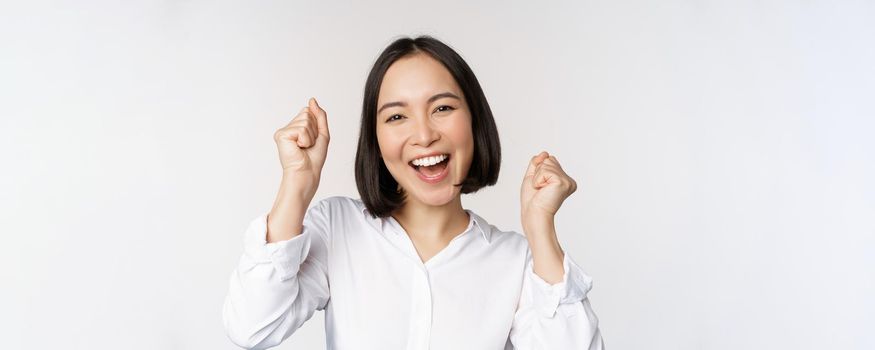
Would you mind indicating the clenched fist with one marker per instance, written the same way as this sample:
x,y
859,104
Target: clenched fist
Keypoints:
x,y
302,147
544,188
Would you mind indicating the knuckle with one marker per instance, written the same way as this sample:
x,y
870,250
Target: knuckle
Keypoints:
x,y
279,134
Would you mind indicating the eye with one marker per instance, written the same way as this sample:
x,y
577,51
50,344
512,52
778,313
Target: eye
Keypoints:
x,y
392,118
443,108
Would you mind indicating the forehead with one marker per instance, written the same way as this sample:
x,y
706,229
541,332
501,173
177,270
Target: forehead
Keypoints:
x,y
416,77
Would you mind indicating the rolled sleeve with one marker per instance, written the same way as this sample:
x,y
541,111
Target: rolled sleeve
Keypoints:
x,y
556,316
286,256
571,290
277,286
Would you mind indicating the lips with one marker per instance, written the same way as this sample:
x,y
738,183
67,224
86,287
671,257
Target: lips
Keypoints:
x,y
432,174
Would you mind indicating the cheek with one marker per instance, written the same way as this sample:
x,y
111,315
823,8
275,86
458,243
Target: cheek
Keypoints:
x,y
462,135
390,149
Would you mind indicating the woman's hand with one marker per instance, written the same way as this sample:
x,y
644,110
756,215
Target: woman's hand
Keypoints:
x,y
303,146
545,186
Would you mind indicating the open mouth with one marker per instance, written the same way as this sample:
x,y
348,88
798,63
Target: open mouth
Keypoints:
x,y
433,167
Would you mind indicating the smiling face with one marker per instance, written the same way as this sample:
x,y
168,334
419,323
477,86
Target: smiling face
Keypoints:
x,y
422,112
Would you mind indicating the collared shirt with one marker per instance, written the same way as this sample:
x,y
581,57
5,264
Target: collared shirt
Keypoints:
x,y
479,292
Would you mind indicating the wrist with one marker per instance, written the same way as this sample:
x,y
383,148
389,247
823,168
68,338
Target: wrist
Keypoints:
x,y
538,224
299,185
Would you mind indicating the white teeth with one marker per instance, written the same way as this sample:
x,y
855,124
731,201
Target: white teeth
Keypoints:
x,y
429,161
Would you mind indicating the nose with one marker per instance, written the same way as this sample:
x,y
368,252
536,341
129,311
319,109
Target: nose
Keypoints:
x,y
425,133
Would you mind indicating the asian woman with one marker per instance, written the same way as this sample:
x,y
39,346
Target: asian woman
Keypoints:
x,y
406,266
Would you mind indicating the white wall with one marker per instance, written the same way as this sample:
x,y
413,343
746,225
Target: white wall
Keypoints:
x,y
724,151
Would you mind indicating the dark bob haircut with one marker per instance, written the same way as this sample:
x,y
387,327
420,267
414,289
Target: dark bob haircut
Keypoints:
x,y
377,187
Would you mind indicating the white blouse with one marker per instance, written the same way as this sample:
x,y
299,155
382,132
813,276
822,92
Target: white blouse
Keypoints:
x,y
479,292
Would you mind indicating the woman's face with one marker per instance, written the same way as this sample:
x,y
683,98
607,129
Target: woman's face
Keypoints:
x,y
421,111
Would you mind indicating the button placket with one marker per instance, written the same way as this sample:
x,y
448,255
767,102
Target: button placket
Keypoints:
x,y
419,335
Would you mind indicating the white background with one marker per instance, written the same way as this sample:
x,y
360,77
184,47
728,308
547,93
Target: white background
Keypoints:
x,y
724,152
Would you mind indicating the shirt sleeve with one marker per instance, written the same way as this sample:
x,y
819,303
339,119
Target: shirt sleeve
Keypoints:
x,y
278,286
557,316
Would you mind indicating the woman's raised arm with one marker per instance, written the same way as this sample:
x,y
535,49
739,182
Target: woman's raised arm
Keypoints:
x,y
302,146
281,279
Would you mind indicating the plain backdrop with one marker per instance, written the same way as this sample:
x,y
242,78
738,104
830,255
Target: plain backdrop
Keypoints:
x,y
724,151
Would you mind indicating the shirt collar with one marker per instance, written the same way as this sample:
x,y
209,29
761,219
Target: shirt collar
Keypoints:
x,y
479,224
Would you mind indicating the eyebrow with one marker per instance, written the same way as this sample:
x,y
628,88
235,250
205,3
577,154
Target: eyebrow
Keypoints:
x,y
430,100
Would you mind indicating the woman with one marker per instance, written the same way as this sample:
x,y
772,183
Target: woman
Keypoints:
x,y
406,267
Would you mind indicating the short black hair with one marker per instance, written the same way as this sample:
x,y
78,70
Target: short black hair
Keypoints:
x,y
375,183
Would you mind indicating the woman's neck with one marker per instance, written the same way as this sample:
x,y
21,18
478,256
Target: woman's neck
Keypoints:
x,y
432,223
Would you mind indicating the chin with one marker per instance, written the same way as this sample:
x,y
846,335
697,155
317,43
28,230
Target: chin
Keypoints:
x,y
435,197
